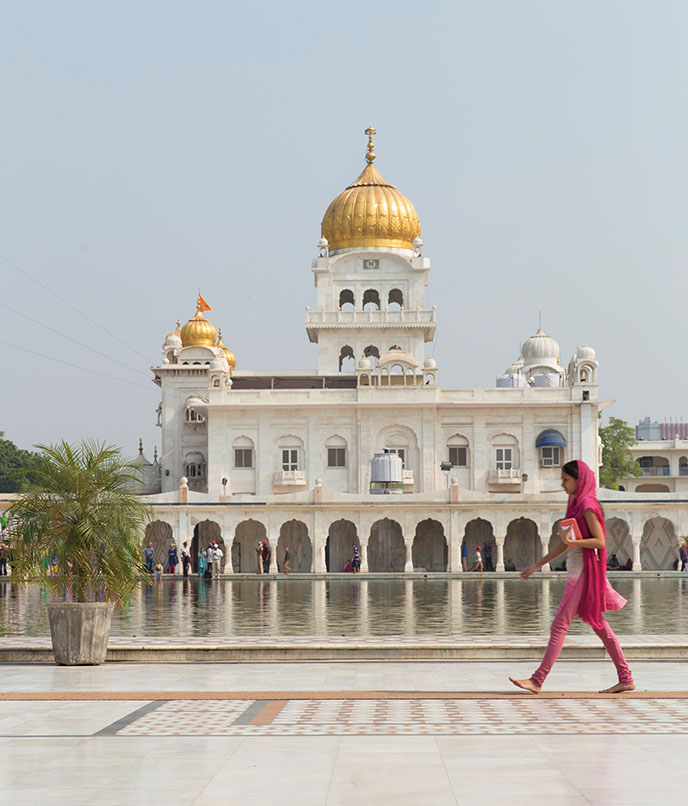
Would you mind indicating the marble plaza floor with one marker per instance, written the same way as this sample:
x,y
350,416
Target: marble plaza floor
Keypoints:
x,y
403,733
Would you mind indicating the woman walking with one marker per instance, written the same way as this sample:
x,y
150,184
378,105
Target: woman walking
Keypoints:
x,y
587,591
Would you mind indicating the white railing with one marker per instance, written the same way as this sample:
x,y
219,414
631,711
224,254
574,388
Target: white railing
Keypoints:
x,y
660,470
289,477
406,317
512,475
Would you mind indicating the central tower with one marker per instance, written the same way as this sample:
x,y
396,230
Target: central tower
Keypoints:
x,y
370,276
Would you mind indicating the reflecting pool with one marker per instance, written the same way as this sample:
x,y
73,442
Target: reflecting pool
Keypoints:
x,y
354,606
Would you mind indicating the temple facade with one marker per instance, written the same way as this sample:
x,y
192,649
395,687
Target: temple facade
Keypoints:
x,y
286,456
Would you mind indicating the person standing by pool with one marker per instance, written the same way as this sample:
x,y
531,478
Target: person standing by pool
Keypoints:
x,y
683,555
488,557
356,560
149,557
202,563
464,556
587,591
218,554
186,559
267,553
287,560
172,559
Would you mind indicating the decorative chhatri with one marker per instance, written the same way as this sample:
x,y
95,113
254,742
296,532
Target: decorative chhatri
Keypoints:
x,y
228,354
370,212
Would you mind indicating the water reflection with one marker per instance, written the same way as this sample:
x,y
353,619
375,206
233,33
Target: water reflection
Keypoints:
x,y
354,606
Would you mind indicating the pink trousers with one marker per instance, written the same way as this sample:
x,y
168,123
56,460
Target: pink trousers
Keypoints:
x,y
560,626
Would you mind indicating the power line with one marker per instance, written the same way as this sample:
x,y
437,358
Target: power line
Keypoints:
x,y
73,307
76,341
75,366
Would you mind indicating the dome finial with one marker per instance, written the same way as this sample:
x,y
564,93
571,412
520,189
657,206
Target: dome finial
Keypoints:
x,y
140,447
370,131
179,323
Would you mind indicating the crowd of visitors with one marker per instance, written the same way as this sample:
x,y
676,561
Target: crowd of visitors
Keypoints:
x,y
211,560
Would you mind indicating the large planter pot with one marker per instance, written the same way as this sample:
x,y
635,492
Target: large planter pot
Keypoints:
x,y
80,632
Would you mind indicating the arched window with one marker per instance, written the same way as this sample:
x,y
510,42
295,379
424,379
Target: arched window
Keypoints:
x,y
290,452
346,359
683,466
243,453
371,300
192,416
457,449
346,297
336,451
194,465
551,444
505,448
395,299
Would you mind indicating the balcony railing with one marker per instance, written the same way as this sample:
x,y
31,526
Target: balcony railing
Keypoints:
x,y
663,470
403,316
512,476
289,478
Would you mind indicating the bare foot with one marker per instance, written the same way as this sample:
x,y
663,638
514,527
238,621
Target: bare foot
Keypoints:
x,y
619,688
527,685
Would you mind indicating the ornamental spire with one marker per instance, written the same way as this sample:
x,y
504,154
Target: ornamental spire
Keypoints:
x,y
370,131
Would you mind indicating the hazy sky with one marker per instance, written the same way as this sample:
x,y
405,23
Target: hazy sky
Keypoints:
x,y
151,148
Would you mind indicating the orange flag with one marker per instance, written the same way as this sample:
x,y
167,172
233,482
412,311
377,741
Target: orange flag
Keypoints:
x,y
202,304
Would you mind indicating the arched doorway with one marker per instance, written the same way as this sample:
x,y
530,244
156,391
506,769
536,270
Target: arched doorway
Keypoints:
x,y
479,533
339,548
652,488
160,535
430,551
618,540
658,547
244,555
522,543
204,534
295,535
386,547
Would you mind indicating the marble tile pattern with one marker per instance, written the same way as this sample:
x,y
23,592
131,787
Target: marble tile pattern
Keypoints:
x,y
418,717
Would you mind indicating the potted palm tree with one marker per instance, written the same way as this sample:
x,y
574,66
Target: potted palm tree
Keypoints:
x,y
77,529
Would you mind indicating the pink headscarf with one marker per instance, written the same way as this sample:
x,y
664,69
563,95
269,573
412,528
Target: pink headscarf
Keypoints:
x,y
598,595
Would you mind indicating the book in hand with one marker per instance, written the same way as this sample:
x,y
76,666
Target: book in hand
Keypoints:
x,y
570,525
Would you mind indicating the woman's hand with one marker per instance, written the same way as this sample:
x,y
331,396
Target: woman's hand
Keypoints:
x,y
529,572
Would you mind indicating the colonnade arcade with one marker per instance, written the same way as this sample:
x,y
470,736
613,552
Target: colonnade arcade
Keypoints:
x,y
410,541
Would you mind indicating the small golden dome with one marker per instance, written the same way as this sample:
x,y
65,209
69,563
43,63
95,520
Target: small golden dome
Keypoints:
x,y
198,331
228,354
370,212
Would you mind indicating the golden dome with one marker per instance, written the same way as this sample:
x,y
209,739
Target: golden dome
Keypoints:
x,y
370,212
198,331
228,354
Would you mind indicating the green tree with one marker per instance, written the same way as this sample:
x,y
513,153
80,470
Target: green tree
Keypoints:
x,y
617,460
16,466
81,510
